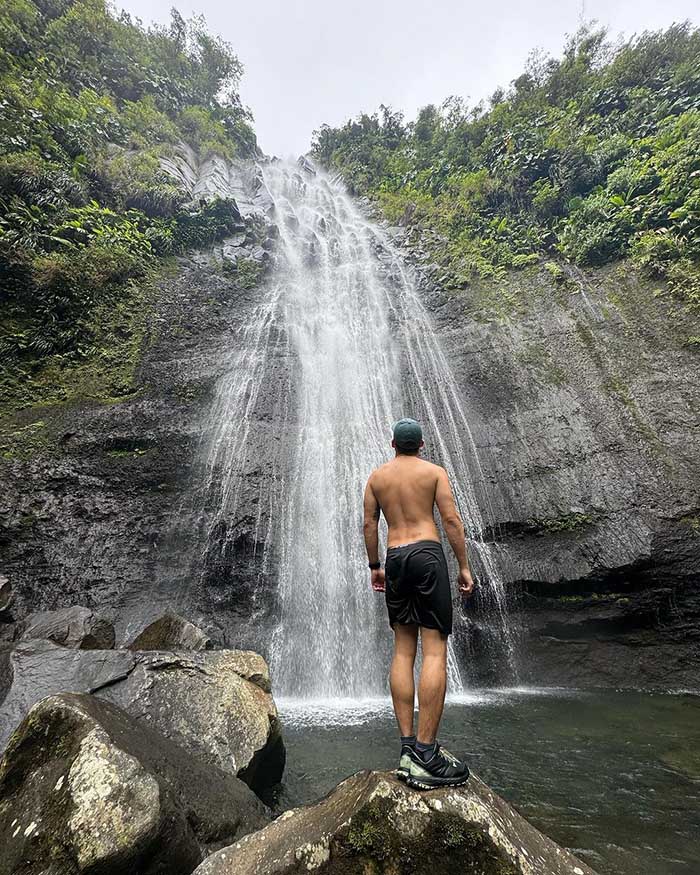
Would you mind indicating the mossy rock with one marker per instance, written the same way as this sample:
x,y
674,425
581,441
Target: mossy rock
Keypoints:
x,y
427,843
372,824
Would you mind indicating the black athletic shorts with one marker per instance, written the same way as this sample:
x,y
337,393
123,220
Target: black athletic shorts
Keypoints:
x,y
418,586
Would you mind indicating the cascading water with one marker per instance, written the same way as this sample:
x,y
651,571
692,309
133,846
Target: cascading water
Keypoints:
x,y
364,354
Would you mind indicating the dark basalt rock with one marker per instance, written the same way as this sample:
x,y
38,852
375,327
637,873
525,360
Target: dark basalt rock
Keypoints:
x,y
6,595
84,787
171,632
112,511
584,403
373,823
35,669
76,627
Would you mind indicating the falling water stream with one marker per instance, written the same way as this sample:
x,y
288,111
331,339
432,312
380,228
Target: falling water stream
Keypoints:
x,y
364,354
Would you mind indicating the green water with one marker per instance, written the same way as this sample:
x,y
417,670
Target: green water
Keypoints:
x,y
615,776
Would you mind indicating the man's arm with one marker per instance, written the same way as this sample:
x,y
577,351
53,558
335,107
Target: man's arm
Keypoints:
x,y
454,529
371,533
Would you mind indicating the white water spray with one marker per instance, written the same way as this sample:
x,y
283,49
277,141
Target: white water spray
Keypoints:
x,y
363,355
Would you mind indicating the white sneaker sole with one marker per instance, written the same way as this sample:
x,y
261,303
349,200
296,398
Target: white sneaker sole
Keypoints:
x,y
418,784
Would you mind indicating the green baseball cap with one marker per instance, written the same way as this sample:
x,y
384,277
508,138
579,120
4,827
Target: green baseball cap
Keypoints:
x,y
408,434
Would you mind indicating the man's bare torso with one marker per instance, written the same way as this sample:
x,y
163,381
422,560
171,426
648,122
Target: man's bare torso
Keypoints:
x,y
405,491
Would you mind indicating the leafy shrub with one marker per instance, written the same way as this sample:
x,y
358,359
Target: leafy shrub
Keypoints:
x,y
135,180
596,230
204,132
26,175
200,227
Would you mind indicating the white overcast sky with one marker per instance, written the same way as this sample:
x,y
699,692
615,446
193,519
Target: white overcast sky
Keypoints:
x,y
312,62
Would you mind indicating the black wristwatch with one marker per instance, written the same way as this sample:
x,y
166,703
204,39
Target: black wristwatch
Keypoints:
x,y
374,565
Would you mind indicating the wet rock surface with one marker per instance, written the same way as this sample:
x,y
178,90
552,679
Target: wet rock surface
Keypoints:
x,y
6,596
76,627
35,669
171,632
373,823
84,787
113,508
583,402
216,705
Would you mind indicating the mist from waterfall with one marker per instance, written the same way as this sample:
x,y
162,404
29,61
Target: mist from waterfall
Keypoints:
x,y
363,355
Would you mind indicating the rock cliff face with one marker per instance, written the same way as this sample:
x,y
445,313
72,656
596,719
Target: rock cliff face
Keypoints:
x,y
102,502
583,397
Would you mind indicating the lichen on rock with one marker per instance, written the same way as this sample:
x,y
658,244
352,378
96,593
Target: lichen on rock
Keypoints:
x,y
372,824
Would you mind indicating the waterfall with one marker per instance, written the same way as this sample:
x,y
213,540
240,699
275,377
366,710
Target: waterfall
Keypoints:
x,y
363,355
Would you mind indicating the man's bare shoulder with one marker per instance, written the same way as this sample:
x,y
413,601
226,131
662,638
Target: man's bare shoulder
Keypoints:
x,y
389,468
432,469
376,473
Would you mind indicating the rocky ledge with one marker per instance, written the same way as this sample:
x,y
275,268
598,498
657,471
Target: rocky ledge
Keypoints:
x,y
372,823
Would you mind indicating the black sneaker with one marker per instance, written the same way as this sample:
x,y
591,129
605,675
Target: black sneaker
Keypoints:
x,y
443,769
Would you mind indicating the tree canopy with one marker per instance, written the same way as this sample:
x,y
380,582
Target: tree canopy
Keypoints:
x,y
90,101
586,158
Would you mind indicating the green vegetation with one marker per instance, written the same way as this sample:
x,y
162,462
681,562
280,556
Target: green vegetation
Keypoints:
x,y
23,442
103,368
587,159
89,102
246,270
444,842
568,523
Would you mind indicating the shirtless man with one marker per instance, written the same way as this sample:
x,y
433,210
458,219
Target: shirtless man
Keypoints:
x,y
418,597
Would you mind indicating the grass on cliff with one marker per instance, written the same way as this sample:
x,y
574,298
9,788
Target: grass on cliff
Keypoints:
x,y
90,101
588,158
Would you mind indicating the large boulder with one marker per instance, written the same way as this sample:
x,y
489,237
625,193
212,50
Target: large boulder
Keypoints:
x,y
77,627
85,788
171,632
371,823
31,670
216,704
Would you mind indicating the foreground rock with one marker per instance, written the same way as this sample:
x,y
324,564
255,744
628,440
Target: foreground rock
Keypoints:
x,y
217,705
171,632
77,627
371,823
85,788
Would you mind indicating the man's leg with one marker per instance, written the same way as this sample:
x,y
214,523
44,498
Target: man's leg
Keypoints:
x,y
432,683
401,675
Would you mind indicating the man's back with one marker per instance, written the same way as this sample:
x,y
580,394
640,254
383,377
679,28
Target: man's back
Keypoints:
x,y
405,489
416,583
